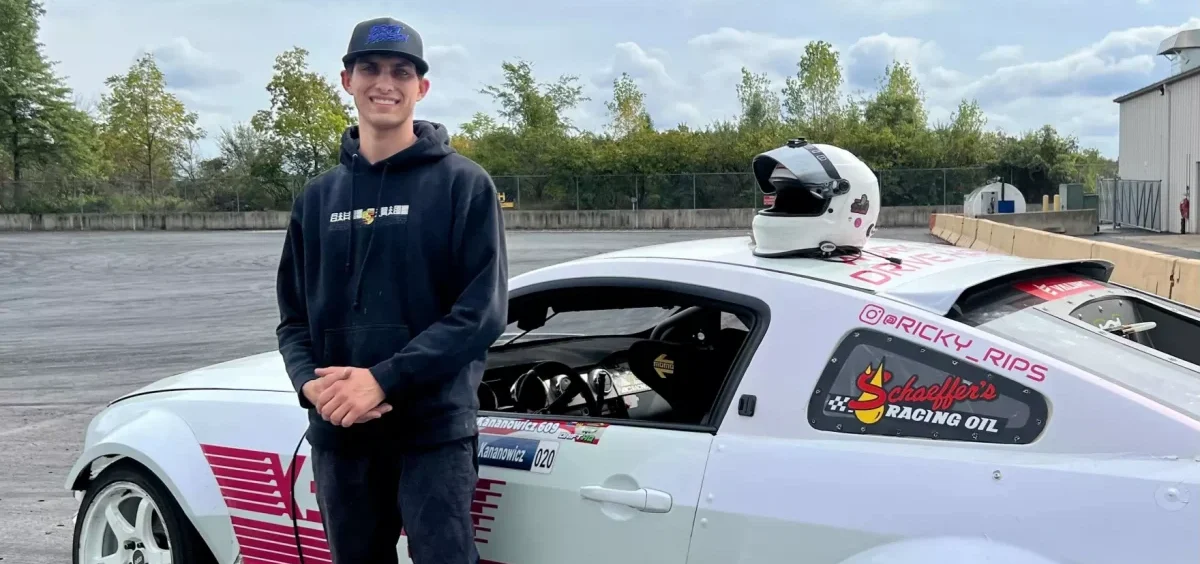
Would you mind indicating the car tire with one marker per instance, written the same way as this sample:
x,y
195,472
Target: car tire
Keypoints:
x,y
134,492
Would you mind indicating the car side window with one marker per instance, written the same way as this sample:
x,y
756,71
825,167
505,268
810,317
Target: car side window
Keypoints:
x,y
875,384
647,352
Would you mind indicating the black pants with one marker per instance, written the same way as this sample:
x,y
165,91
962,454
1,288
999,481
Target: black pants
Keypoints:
x,y
366,499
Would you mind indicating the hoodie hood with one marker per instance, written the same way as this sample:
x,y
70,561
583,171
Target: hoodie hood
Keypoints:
x,y
433,143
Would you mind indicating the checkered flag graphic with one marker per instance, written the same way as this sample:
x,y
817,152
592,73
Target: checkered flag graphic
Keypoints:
x,y
838,403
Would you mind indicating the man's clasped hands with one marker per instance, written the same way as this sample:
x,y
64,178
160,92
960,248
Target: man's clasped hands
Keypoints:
x,y
345,395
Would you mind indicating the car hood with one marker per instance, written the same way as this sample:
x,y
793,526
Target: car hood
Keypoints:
x,y
257,372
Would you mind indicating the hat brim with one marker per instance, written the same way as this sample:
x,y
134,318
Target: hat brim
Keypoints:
x,y
422,66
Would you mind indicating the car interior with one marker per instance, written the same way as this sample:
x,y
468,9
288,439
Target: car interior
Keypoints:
x,y
1170,333
1127,315
614,352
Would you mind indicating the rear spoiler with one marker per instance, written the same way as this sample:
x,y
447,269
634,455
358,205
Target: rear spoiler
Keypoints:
x,y
928,295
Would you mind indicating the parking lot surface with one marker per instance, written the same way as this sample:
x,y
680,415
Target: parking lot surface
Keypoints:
x,y
85,317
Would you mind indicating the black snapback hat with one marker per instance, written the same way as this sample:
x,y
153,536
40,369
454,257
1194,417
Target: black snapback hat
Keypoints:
x,y
387,36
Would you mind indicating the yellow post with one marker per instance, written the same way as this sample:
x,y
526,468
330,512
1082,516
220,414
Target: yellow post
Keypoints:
x,y
1045,202
1057,203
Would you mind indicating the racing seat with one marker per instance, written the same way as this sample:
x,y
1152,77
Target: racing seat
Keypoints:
x,y
685,376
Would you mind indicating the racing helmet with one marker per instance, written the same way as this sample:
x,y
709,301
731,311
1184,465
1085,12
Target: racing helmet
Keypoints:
x,y
826,201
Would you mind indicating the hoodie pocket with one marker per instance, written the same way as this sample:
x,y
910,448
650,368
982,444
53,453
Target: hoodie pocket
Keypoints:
x,y
363,346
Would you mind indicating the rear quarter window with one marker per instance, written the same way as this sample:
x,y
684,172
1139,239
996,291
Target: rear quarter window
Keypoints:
x,y
875,384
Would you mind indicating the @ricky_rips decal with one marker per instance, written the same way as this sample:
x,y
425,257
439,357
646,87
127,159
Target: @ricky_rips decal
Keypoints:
x,y
875,387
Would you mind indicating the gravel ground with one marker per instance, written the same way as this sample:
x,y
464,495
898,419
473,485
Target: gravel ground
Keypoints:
x,y
85,317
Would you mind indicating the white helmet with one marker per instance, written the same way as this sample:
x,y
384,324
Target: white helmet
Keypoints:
x,y
826,201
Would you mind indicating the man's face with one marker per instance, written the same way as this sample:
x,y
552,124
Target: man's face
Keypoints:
x,y
385,89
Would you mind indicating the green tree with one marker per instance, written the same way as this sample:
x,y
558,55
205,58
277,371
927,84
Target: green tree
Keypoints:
x,y
146,130
37,118
760,104
812,97
899,104
627,109
528,105
307,115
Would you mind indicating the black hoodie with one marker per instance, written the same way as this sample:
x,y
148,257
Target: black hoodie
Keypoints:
x,y
399,267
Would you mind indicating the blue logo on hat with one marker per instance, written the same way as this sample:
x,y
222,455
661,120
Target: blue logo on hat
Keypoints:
x,y
386,32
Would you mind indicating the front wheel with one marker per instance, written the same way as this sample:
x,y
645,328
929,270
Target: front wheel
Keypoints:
x,y
128,517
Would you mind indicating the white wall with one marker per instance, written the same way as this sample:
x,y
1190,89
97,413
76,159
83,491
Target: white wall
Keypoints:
x,y
1160,134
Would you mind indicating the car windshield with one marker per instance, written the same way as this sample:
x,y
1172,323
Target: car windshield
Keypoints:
x,y
1137,341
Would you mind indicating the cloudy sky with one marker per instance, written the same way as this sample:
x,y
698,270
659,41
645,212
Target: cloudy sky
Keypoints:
x,y
1028,62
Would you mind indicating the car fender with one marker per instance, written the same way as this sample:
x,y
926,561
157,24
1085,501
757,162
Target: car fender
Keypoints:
x,y
959,550
163,443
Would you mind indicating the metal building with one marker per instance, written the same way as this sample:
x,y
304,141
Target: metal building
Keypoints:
x,y
1160,143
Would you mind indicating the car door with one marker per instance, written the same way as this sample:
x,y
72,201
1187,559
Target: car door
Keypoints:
x,y
560,491
544,486
623,485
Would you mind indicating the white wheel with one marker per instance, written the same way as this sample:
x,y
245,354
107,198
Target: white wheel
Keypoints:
x,y
128,517
123,525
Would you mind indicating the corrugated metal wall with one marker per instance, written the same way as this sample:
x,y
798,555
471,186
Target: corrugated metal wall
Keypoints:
x,y
1146,153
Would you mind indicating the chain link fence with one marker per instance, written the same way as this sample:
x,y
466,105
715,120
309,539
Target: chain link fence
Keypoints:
x,y
898,187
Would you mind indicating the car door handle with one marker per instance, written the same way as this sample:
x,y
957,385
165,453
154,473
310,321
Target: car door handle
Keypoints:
x,y
644,499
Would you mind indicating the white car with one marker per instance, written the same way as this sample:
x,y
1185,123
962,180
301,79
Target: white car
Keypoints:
x,y
691,402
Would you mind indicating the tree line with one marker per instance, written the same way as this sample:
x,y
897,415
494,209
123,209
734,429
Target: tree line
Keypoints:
x,y
137,148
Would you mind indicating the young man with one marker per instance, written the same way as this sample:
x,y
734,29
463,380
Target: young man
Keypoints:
x,y
392,285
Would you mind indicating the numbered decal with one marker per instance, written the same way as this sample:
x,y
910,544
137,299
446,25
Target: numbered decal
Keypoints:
x,y
543,459
517,453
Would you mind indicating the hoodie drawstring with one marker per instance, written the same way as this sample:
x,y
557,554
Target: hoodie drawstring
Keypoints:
x,y
370,238
350,232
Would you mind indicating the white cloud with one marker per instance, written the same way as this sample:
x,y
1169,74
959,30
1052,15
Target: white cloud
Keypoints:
x,y
868,58
188,68
1002,53
1119,62
729,49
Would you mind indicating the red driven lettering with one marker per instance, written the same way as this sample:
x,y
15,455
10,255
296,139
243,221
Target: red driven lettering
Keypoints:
x,y
871,277
934,257
883,272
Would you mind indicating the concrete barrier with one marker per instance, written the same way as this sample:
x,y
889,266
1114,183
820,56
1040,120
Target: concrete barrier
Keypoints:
x,y
737,218
1187,282
1002,238
208,221
966,237
983,235
1067,222
1160,274
1145,270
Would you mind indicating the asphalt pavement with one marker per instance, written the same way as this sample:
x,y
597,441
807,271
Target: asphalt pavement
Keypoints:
x,y
87,316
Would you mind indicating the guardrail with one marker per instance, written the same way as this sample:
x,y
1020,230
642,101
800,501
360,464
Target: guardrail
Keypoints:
x,y
1163,275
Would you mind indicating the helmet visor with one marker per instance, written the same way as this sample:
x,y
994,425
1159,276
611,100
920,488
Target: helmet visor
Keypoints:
x,y
805,166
